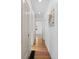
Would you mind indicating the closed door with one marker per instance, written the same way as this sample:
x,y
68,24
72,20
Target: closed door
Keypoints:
x,y
38,28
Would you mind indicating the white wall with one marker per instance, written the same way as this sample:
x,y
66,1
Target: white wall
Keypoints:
x,y
51,35
32,27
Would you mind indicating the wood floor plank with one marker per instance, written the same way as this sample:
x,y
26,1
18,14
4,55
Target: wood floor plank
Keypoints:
x,y
41,51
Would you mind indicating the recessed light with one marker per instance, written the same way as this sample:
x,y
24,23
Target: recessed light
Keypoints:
x,y
39,12
40,0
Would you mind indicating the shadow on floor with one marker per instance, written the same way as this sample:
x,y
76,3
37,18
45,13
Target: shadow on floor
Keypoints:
x,y
32,55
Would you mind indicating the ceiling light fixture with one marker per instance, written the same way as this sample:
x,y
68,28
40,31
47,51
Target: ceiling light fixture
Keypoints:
x,y
39,12
40,0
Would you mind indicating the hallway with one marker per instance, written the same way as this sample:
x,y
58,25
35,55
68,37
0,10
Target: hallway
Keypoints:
x,y
40,49
39,29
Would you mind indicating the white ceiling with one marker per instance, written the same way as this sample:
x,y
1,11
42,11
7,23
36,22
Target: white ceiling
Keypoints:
x,y
39,8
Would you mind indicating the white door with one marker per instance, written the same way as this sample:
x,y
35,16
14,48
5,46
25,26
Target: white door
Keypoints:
x,y
39,28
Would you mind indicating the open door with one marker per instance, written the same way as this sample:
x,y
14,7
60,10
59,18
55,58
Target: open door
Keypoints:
x,y
25,31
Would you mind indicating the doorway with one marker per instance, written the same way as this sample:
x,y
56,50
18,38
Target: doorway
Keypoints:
x,y
39,29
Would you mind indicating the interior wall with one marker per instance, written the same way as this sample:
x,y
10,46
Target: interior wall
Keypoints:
x,y
25,40
51,34
32,27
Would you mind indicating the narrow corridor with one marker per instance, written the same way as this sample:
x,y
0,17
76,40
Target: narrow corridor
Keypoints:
x,y
40,49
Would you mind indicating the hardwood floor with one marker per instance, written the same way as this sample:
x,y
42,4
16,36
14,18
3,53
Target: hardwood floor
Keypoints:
x,y
40,49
